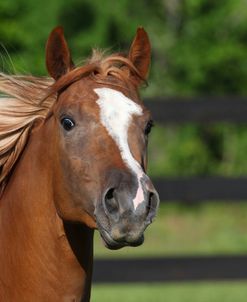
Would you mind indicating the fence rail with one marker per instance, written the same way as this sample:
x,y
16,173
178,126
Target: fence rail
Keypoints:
x,y
199,109
170,269
200,189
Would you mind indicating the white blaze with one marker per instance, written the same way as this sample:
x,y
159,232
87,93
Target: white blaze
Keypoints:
x,y
116,111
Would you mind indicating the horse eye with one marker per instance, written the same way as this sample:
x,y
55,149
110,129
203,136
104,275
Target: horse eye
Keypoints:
x,y
149,126
67,123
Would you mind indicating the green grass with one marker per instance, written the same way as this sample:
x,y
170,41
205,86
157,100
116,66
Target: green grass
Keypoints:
x,y
209,228
174,292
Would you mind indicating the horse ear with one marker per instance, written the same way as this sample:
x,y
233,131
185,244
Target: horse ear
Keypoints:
x,y
58,60
140,52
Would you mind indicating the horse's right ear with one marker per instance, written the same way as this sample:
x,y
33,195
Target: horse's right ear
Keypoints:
x,y
58,59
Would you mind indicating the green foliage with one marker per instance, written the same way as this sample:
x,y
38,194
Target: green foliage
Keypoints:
x,y
198,150
205,47
183,152
199,48
198,45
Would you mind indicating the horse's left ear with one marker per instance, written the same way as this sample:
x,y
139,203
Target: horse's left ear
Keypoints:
x,y
140,52
58,59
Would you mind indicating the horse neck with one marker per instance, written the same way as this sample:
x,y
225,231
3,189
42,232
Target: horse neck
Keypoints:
x,y
32,233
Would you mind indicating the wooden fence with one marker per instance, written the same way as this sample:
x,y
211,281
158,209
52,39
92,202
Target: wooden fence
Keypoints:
x,y
194,189
169,269
204,111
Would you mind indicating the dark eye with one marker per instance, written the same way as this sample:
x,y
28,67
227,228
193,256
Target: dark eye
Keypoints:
x,y
67,123
149,126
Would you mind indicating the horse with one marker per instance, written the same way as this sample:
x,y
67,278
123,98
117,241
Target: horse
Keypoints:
x,y
73,159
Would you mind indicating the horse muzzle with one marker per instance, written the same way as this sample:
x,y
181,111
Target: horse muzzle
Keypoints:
x,y
121,221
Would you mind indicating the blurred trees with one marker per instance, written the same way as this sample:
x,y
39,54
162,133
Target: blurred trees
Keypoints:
x,y
199,48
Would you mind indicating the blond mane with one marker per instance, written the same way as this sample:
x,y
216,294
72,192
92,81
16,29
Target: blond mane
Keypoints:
x,y
24,99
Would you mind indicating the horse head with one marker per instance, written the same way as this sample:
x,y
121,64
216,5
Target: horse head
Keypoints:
x,y
100,141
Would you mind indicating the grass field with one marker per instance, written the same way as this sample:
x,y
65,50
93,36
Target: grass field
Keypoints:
x,y
175,292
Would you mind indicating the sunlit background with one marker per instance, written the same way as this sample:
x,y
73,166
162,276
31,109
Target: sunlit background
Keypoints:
x,y
199,49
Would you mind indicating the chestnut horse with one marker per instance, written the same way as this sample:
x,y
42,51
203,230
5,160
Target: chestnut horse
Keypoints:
x,y
73,159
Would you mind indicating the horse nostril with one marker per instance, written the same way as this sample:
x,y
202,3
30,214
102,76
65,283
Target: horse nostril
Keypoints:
x,y
153,201
111,203
149,206
109,194
150,199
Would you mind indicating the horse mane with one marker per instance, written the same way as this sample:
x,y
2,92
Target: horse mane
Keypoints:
x,y
24,99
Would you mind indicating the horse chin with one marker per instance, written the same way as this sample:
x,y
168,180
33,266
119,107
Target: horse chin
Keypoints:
x,y
112,244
